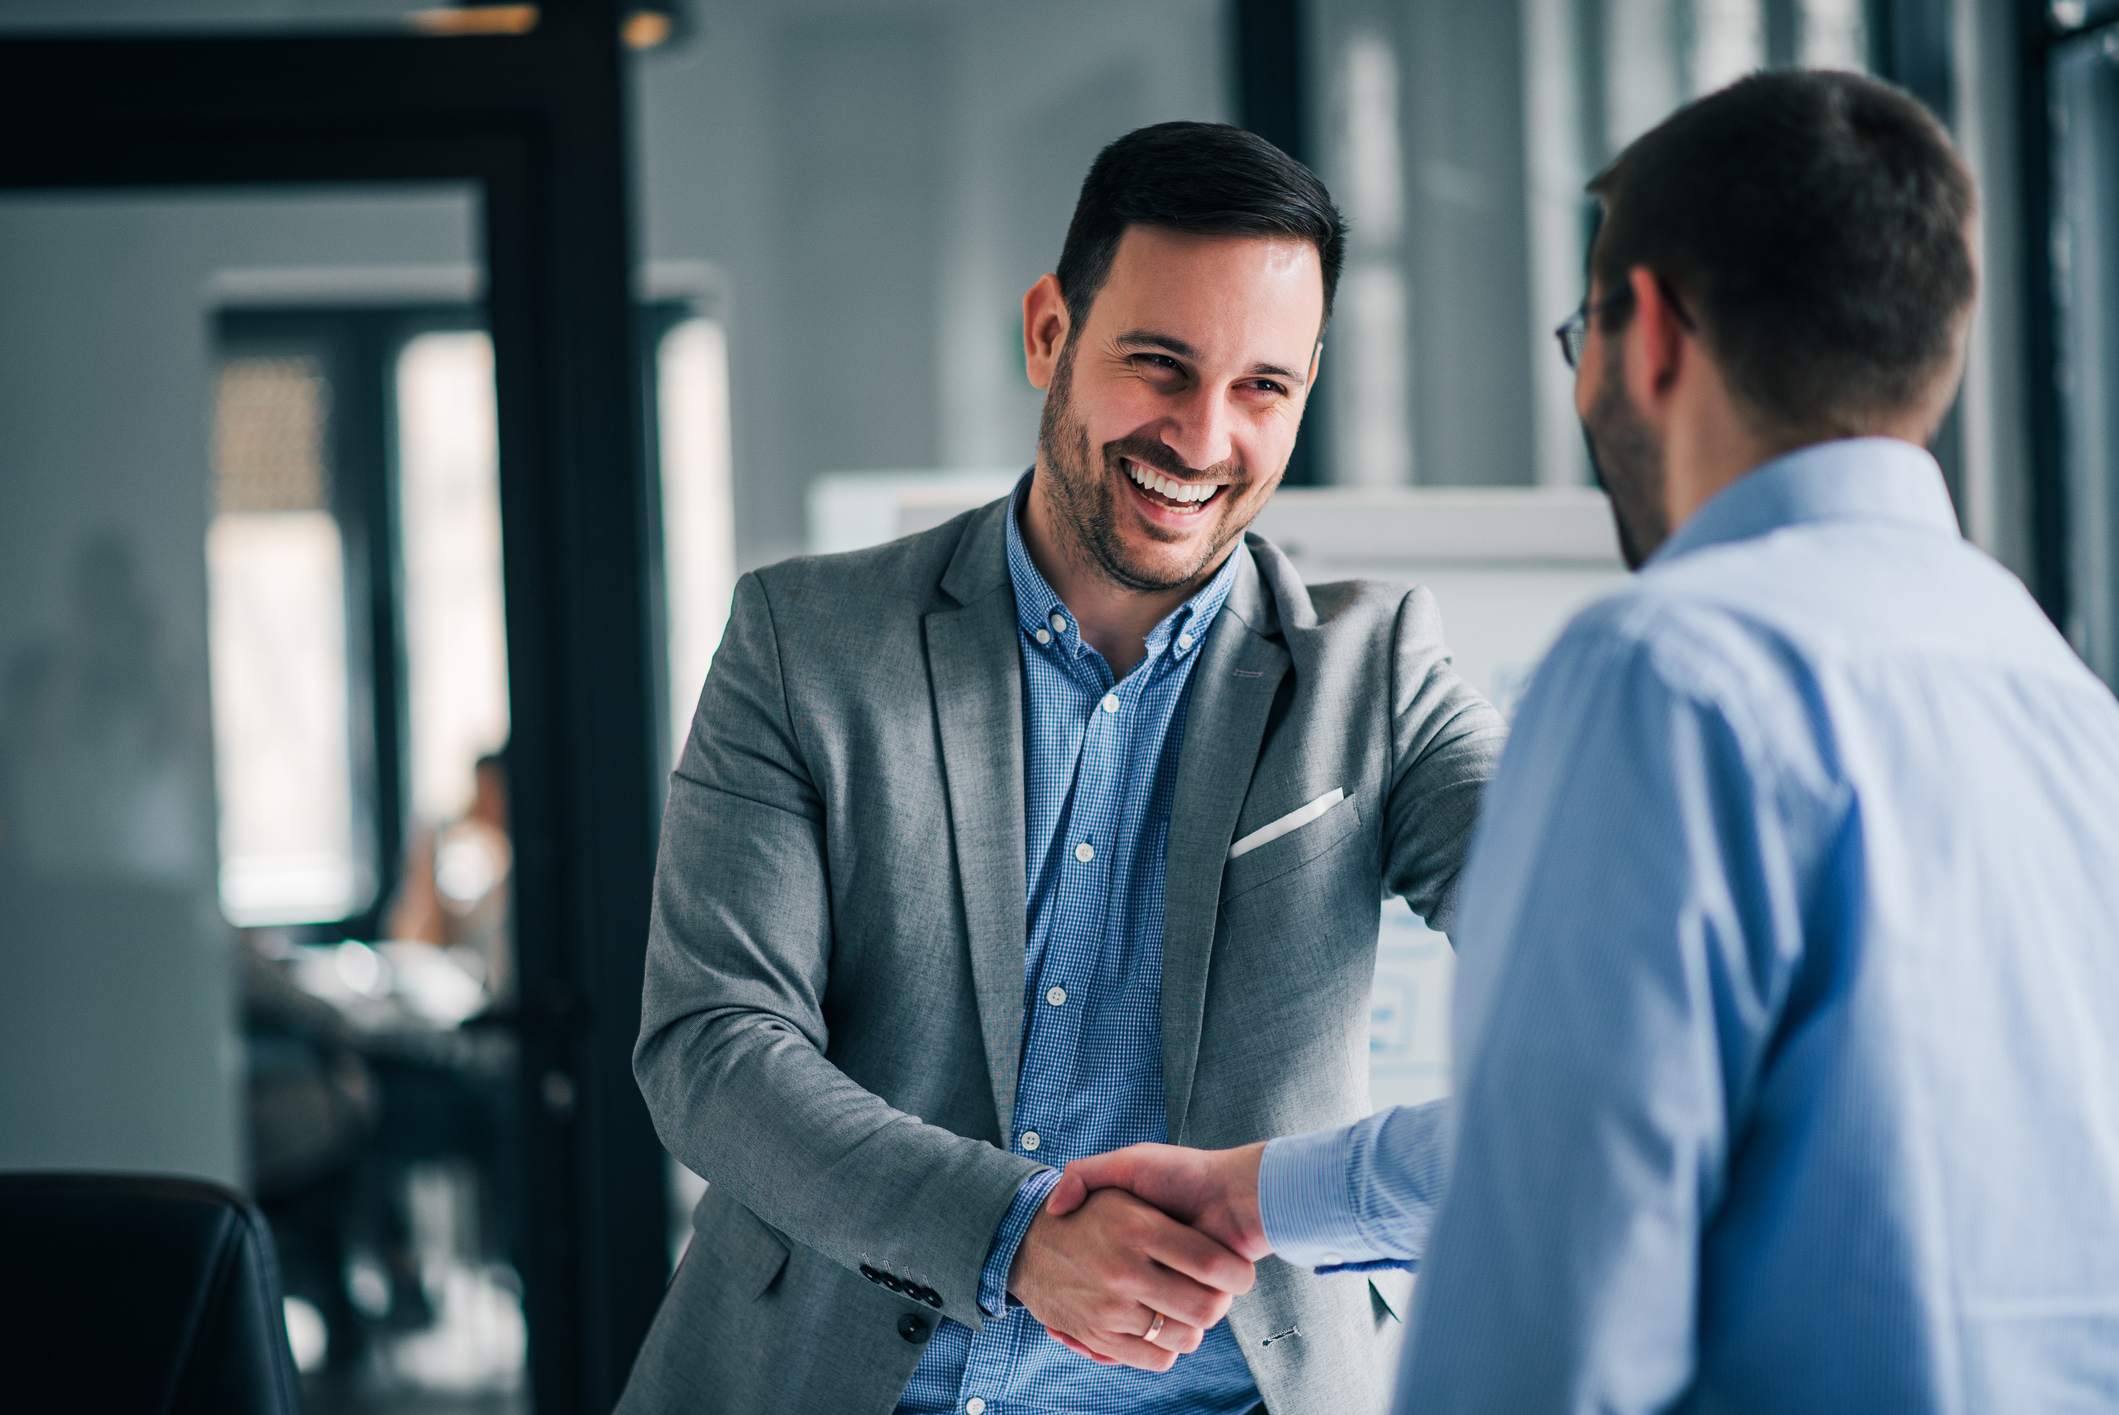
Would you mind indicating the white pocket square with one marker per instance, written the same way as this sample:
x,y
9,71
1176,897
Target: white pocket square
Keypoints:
x,y
1293,820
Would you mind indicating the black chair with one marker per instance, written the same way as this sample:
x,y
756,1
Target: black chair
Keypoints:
x,y
128,1293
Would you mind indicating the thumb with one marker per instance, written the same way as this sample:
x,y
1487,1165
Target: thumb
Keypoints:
x,y
1106,1171
1067,1195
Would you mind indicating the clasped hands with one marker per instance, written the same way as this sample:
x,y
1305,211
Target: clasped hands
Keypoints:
x,y
1140,1233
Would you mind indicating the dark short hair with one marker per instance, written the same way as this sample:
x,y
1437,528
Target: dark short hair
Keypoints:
x,y
1817,226
1205,179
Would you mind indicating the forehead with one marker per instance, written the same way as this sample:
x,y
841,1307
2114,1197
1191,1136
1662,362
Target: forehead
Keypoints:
x,y
1236,297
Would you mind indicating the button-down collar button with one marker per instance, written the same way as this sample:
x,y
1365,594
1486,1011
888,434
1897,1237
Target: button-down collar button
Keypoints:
x,y
1085,852
974,1406
1057,996
1110,703
915,1328
1031,1140
1044,636
1184,641
1059,623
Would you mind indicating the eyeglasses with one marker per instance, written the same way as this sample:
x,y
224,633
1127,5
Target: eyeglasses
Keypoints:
x,y
1573,332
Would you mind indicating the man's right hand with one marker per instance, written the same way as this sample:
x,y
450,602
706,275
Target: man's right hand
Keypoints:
x,y
1101,1274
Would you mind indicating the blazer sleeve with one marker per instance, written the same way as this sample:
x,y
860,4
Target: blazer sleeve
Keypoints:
x,y
731,1056
1445,747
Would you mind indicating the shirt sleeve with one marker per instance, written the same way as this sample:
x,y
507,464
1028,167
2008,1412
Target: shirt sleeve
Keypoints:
x,y
1358,1198
1631,922
1008,1238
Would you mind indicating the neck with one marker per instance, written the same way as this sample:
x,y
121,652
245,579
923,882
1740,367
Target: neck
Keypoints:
x,y
1114,619
1705,455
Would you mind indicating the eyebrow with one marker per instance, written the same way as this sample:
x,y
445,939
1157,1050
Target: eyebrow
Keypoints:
x,y
1150,338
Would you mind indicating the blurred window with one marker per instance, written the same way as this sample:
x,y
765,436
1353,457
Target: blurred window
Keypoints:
x,y
1458,139
2085,88
318,711
281,681
447,451
690,380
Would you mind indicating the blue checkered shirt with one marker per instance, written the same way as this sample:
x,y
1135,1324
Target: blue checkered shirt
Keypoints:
x,y
1099,775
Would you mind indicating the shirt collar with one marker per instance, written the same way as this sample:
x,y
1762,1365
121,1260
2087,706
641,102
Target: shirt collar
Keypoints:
x,y
1854,479
1040,611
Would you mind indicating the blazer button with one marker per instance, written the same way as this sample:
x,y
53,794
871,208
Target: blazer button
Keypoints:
x,y
870,1273
934,1299
915,1328
893,1282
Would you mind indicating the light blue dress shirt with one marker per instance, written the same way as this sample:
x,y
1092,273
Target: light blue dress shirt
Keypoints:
x,y
1787,1017
1100,774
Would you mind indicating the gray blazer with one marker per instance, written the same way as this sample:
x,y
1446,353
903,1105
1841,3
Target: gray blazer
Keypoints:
x,y
834,1001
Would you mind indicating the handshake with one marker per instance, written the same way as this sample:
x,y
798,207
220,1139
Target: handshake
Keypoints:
x,y
1137,1253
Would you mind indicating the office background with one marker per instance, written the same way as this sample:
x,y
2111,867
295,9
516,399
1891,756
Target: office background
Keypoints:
x,y
392,392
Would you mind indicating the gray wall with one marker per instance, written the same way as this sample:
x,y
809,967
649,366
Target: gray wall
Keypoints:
x,y
117,1037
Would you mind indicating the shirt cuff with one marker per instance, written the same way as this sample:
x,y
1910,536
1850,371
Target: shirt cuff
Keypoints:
x,y
1307,1198
1000,1258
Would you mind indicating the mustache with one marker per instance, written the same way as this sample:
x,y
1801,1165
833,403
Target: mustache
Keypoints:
x,y
1151,452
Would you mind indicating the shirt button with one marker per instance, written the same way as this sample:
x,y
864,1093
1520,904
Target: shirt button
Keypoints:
x,y
1059,623
1110,702
1184,641
1085,852
1330,1260
974,1406
1030,1140
1056,996
1044,636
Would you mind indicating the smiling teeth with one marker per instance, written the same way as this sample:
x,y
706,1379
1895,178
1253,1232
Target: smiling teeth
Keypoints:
x,y
1175,490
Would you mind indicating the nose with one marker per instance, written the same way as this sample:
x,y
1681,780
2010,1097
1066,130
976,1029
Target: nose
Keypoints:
x,y
1199,432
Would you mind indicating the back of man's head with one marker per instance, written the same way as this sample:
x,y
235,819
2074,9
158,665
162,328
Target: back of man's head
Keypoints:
x,y
1818,226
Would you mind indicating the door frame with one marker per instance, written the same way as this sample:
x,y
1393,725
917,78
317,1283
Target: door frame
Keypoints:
x,y
535,127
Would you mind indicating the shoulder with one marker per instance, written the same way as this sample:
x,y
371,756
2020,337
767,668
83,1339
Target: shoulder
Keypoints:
x,y
1366,613
1667,653
893,582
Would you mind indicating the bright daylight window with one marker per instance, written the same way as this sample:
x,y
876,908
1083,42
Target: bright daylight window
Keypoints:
x,y
277,634
448,492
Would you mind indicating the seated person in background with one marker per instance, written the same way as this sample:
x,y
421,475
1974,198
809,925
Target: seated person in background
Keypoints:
x,y
1784,1035
455,890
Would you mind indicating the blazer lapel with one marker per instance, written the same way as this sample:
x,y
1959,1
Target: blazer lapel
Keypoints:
x,y
1232,689
973,665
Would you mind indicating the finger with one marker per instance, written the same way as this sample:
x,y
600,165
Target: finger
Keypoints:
x,y
1080,1350
1180,1337
1188,1251
1130,1350
1067,1195
1178,1298
1115,1169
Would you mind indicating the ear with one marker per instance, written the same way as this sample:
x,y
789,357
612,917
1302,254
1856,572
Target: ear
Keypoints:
x,y
1045,326
1656,356
1310,381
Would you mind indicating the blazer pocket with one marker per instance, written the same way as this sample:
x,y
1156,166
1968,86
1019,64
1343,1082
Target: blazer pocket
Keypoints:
x,y
1293,850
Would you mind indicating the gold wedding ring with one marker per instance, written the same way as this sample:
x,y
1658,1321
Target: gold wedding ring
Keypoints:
x,y
1155,1328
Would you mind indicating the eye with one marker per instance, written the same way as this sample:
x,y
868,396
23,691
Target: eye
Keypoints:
x,y
1267,385
1159,363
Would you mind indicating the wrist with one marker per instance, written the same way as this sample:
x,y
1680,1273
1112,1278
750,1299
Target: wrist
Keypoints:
x,y
1241,1187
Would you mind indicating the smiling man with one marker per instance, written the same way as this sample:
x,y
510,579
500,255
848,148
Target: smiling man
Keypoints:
x,y
1059,828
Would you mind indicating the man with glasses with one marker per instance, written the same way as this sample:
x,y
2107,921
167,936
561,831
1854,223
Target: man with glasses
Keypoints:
x,y
1785,1061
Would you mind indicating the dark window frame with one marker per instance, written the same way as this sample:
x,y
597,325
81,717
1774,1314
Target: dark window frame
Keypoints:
x,y
536,126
